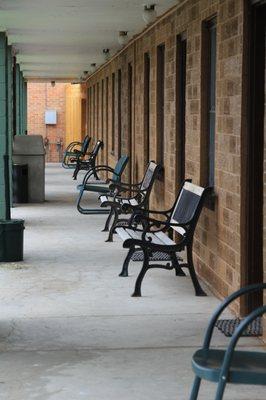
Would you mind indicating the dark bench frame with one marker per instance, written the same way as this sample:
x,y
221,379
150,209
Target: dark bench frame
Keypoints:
x,y
74,151
90,163
151,225
121,205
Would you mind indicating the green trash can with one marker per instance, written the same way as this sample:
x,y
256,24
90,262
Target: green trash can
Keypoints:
x,y
11,240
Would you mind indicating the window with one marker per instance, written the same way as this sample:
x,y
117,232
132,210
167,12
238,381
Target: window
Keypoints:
x,y
208,90
102,109
129,122
94,111
146,107
97,109
89,105
181,57
106,116
113,114
119,112
91,112
160,103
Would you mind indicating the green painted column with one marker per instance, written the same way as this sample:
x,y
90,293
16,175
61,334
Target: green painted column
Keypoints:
x,y
3,125
10,113
18,95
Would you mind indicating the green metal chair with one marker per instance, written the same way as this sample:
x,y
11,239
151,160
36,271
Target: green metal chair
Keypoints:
x,y
229,365
100,186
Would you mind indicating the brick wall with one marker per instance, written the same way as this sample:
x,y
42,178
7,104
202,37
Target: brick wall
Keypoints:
x,y
217,239
41,97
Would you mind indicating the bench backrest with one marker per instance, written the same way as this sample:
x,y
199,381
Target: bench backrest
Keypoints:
x,y
85,144
188,205
119,168
151,172
96,149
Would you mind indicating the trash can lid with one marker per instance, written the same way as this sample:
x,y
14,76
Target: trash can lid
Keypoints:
x,y
28,145
11,221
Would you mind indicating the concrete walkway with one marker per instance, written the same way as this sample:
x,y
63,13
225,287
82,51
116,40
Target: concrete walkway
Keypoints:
x,y
70,330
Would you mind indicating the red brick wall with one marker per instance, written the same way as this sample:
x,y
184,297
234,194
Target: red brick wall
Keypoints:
x,y
41,97
218,236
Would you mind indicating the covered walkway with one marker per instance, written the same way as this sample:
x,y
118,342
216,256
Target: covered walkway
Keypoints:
x,y
69,328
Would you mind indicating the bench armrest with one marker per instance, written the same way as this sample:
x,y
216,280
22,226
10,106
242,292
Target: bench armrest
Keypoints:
x,y
224,304
125,186
72,145
233,342
98,168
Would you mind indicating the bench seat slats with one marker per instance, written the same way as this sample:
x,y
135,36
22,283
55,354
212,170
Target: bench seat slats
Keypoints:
x,y
157,237
103,199
133,202
138,235
164,238
123,234
179,230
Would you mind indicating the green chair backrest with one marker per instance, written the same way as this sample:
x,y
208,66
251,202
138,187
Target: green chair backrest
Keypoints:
x,y
119,168
85,144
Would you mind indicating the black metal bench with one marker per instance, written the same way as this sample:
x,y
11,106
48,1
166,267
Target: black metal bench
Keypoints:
x,y
90,163
182,218
74,151
100,186
125,205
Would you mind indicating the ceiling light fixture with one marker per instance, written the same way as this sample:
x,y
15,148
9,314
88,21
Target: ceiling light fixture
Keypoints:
x,y
93,67
122,37
106,53
149,13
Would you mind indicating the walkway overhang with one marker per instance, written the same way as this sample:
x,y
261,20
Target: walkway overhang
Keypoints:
x,y
59,39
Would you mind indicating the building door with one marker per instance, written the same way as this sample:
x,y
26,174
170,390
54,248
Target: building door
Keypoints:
x,y
252,254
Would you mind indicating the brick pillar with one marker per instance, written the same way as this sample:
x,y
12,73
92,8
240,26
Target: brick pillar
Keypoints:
x,y
3,124
24,106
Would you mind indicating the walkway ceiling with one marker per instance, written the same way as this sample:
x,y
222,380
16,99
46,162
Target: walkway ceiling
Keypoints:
x,y
59,39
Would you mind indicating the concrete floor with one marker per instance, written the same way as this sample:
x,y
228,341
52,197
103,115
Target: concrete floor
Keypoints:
x,y
70,330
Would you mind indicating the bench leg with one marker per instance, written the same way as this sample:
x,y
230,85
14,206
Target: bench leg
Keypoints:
x,y
76,171
178,269
124,271
198,289
80,209
107,223
144,269
195,389
220,389
112,229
